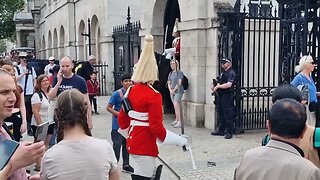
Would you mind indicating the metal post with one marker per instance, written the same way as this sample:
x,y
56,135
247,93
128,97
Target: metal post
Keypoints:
x,y
88,35
129,29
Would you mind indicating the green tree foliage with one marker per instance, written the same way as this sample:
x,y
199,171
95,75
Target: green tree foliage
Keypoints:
x,y
7,10
3,46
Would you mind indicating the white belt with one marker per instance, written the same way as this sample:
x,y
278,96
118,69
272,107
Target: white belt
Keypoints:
x,y
143,116
138,123
134,123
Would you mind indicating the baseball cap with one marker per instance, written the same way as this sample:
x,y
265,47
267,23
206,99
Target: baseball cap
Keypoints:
x,y
51,58
225,60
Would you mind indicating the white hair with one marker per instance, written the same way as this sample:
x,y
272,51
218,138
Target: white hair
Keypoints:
x,y
91,57
304,60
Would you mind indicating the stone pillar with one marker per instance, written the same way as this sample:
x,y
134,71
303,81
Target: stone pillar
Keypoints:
x,y
18,34
157,34
36,18
193,64
198,59
107,56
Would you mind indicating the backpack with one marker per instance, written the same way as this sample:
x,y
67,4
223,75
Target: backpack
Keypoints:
x,y
40,96
79,68
185,82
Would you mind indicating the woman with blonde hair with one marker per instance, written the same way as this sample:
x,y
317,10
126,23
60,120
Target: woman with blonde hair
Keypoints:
x,y
77,155
18,117
143,124
176,90
304,80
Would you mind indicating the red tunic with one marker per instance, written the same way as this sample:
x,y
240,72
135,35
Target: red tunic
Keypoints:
x,y
178,48
142,139
93,87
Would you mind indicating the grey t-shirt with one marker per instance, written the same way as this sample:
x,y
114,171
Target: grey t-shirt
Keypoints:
x,y
89,158
174,77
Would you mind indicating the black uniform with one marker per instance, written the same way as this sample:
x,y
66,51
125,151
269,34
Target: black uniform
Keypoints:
x,y
85,70
226,102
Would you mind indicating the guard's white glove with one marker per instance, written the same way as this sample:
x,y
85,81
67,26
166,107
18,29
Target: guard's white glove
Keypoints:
x,y
174,139
124,132
186,142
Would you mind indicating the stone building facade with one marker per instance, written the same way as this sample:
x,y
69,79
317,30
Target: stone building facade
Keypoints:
x,y
198,54
61,23
199,28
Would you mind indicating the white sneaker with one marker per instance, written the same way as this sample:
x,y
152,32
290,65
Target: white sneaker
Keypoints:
x,y
178,125
174,123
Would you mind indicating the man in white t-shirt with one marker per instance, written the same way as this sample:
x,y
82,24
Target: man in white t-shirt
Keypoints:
x,y
49,66
26,78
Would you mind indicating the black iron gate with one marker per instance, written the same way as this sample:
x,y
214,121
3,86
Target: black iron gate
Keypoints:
x,y
250,36
102,69
300,35
126,48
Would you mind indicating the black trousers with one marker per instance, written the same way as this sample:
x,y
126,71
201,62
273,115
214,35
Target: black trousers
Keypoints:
x,y
118,141
16,120
93,100
27,102
226,113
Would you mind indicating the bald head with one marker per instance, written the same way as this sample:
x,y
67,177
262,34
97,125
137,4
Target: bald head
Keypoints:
x,y
66,59
66,65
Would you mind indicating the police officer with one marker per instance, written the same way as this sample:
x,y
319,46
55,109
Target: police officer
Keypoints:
x,y
224,88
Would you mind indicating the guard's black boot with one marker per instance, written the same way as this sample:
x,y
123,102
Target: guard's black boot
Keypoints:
x,y
158,172
137,177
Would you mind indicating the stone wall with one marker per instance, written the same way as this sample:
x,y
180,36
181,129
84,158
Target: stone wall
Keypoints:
x,y
62,22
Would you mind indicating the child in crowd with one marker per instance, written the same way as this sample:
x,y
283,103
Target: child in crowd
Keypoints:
x,y
113,107
93,90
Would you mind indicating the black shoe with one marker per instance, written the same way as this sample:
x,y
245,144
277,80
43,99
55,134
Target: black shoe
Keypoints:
x,y
217,133
127,169
97,113
228,136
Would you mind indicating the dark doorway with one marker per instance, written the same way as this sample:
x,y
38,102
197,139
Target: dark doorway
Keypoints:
x,y
172,11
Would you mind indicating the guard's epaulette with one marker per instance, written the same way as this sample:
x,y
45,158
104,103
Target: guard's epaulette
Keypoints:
x,y
153,88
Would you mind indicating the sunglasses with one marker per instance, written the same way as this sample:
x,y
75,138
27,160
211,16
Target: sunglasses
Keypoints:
x,y
313,62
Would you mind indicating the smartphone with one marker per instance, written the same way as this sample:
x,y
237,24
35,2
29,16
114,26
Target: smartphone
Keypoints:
x,y
42,132
7,149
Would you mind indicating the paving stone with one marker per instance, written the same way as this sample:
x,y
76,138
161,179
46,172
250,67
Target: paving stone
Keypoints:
x,y
225,153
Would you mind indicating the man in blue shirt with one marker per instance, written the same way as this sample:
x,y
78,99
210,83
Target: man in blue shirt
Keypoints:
x,y
65,80
114,106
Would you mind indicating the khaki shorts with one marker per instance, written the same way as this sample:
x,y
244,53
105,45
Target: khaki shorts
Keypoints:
x,y
176,97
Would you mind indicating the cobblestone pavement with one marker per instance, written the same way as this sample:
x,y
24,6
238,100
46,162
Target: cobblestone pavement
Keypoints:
x,y
225,153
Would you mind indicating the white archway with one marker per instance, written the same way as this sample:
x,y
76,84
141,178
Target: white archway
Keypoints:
x,y
43,48
94,35
98,50
49,48
55,43
61,42
81,40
